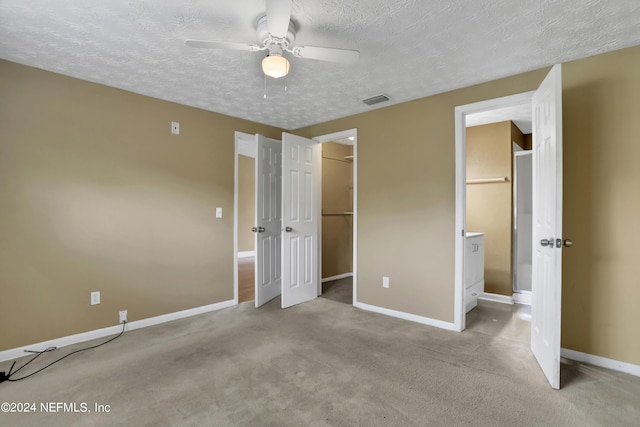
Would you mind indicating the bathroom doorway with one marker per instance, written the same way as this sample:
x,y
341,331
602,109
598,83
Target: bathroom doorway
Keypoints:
x,y
508,120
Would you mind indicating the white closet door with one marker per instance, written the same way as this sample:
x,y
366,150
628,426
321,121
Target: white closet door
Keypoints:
x,y
268,243
301,219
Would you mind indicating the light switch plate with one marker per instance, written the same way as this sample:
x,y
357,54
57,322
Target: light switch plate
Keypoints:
x,y
95,297
175,128
218,212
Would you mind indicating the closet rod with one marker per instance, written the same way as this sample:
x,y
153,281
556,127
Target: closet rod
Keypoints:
x,y
487,180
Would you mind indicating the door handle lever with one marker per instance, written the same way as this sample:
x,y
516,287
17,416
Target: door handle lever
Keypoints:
x,y
288,229
258,229
547,242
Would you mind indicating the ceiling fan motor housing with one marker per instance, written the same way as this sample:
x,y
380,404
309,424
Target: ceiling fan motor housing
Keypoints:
x,y
268,40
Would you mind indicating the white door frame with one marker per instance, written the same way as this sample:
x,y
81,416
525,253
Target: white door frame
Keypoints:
x,y
241,142
350,133
461,189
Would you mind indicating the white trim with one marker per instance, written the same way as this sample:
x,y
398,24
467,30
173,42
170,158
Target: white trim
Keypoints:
x,y
239,139
407,316
504,299
247,146
522,298
246,254
603,362
111,330
459,314
338,277
459,306
341,135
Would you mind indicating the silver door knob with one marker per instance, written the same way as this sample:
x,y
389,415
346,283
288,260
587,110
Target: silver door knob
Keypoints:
x,y
254,229
547,242
567,243
261,229
288,229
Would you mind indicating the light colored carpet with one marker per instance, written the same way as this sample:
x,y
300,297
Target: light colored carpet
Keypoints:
x,y
340,290
323,363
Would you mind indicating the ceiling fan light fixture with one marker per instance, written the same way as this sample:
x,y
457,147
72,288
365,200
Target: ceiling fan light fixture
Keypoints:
x,y
275,65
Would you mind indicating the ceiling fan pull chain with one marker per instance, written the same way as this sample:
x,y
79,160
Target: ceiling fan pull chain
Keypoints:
x,y
265,86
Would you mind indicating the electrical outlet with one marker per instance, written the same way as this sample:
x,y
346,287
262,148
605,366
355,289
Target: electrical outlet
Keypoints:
x,y
385,282
95,297
123,316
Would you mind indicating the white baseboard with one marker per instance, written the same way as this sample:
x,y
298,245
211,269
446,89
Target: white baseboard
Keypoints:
x,y
603,362
338,277
496,298
15,353
519,298
246,254
406,316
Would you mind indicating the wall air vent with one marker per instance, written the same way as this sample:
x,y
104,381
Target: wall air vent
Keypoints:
x,y
376,99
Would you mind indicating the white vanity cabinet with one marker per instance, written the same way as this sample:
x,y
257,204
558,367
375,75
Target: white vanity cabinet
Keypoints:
x,y
473,269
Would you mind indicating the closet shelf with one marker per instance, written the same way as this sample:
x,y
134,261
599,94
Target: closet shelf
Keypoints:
x,y
487,180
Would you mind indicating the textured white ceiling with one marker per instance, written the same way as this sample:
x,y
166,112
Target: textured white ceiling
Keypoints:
x,y
409,48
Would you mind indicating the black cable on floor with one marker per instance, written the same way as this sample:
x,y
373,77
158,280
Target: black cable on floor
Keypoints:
x,y
10,373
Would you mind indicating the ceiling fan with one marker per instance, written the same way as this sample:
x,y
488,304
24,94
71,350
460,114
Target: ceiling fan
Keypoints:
x,y
276,33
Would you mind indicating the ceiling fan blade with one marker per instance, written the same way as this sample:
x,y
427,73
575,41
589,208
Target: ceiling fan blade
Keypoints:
x,y
278,17
213,44
343,56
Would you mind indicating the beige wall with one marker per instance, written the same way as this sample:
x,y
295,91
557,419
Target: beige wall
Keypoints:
x,y
406,200
489,205
601,287
87,205
96,194
337,198
406,196
246,202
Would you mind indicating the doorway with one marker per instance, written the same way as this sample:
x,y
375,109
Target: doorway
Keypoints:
x,y
244,213
464,116
244,217
547,239
342,155
337,220
494,218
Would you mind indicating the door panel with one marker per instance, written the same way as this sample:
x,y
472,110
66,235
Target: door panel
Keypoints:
x,y
301,221
547,225
268,245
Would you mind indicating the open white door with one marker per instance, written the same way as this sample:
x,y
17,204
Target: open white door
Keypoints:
x,y
547,225
268,244
301,219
